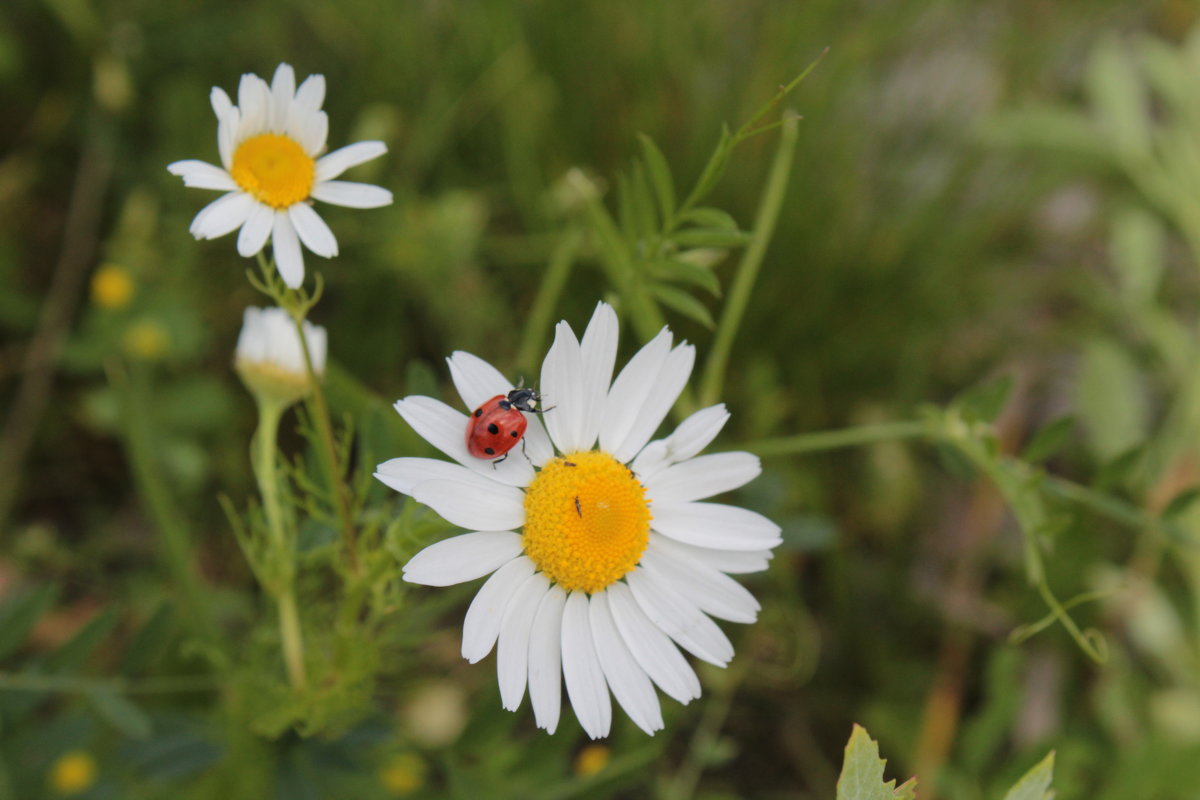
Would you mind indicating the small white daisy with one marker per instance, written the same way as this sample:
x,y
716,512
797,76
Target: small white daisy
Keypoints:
x,y
270,170
602,560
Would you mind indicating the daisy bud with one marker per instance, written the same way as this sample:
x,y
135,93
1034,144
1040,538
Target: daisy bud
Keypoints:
x,y
270,359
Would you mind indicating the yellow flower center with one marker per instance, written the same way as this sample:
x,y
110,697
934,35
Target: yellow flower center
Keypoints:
x,y
587,521
73,773
274,169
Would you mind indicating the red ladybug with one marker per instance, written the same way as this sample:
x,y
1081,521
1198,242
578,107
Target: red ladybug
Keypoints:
x,y
497,425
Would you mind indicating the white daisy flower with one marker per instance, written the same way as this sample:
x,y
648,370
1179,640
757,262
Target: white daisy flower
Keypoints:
x,y
270,170
603,560
269,357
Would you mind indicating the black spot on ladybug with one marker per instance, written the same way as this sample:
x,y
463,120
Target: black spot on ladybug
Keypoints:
x,y
514,434
489,451
493,429
479,411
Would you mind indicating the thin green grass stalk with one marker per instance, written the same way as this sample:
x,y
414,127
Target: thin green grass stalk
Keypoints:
x,y
171,523
264,460
743,283
554,280
834,440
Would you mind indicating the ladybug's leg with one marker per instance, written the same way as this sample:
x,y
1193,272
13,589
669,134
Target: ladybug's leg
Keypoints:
x,y
527,458
498,460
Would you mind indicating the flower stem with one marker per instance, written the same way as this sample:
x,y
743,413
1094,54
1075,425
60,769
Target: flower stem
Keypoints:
x,y
283,584
837,439
319,410
743,282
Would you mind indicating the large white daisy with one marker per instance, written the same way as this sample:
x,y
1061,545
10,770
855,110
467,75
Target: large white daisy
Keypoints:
x,y
601,558
269,145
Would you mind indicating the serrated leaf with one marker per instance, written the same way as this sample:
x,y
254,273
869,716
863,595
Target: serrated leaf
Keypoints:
x,y
121,713
18,616
686,272
660,176
683,303
985,401
1181,502
709,217
862,773
711,237
1036,783
1049,440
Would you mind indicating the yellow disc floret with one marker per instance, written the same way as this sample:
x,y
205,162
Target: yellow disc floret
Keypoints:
x,y
587,521
274,169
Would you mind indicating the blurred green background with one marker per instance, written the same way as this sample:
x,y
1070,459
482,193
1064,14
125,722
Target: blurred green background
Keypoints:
x,y
919,252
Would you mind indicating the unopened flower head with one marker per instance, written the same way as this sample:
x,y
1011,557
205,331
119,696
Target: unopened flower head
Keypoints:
x,y
271,169
269,356
602,563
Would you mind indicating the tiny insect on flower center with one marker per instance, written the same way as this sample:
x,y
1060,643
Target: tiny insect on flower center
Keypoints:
x,y
587,521
274,169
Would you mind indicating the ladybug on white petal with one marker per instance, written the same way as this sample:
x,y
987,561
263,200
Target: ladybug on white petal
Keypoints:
x,y
496,426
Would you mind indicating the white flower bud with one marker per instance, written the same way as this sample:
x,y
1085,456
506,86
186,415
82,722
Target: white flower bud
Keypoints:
x,y
269,357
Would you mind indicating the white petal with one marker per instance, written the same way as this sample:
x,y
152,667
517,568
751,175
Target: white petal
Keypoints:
x,y
462,558
254,103
562,390
475,379
709,590
667,386
680,619
545,660
631,389
512,651
256,231
306,104
402,474
201,175
703,476
731,561
582,671
482,623
652,648
693,435
227,135
316,130
446,429
221,104
598,351
289,260
478,503
715,525
313,231
283,87
227,212
628,681
331,165
351,195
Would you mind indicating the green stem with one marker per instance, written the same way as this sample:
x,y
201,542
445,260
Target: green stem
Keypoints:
x,y
743,283
76,684
283,583
319,410
835,440
541,315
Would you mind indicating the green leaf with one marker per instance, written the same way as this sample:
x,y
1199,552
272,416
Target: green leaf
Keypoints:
x,y
20,614
709,217
645,217
711,237
1137,246
121,713
1119,98
862,773
1181,502
686,272
660,176
72,654
683,303
1119,470
985,401
1109,395
1049,440
714,168
1036,783
150,641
